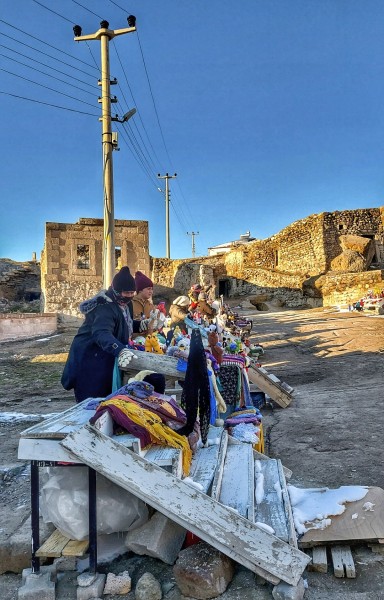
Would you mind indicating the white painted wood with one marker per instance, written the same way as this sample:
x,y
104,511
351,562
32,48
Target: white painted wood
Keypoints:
x,y
105,423
58,426
130,441
44,450
259,456
271,510
219,526
237,487
292,538
204,462
216,485
164,456
260,377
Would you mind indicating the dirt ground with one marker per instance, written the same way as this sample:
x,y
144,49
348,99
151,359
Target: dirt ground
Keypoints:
x,y
331,434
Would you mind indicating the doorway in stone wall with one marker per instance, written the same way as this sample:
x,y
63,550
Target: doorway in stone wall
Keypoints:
x,y
224,287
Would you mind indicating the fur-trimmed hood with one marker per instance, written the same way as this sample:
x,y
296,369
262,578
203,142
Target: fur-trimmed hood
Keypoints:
x,y
88,305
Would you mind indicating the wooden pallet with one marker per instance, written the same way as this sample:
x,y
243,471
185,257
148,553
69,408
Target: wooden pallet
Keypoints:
x,y
268,383
59,545
341,557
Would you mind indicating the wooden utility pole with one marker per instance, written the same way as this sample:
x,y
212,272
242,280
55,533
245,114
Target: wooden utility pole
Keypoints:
x,y
104,34
167,230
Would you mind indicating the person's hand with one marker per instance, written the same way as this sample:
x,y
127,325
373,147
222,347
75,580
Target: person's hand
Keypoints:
x,y
125,358
144,325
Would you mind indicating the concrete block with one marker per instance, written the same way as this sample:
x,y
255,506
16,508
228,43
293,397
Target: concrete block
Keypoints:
x,y
118,584
284,591
51,569
160,538
65,563
148,588
95,590
37,587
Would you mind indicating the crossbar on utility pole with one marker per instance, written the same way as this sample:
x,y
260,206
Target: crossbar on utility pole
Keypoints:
x,y
104,34
193,234
167,230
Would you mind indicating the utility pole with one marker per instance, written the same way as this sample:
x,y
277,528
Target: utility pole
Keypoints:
x,y
193,234
167,232
104,34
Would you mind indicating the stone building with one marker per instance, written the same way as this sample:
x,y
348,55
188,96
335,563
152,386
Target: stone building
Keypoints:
x,y
305,264
71,262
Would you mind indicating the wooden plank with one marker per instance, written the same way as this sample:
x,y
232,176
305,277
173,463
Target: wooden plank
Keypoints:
x,y
160,363
216,485
44,450
75,548
319,559
270,510
292,538
204,462
53,546
260,456
343,564
166,457
222,528
59,425
237,485
367,527
259,376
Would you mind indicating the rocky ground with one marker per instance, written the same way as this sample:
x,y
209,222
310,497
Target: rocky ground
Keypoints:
x,y
331,435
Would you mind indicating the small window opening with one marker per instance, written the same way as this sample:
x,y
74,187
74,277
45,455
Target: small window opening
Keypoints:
x,y
118,257
276,257
82,256
341,226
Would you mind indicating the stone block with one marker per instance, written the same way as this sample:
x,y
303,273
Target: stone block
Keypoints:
x,y
65,563
51,569
148,588
95,590
203,572
160,538
284,591
118,584
37,587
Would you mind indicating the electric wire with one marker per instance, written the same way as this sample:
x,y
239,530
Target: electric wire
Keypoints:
x,y
46,54
88,9
148,174
90,52
52,11
47,74
46,43
81,112
46,87
48,66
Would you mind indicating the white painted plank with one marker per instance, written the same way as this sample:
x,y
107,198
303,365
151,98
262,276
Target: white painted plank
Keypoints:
x,y
260,377
260,456
160,363
58,426
44,450
219,526
216,485
237,487
271,510
204,464
292,538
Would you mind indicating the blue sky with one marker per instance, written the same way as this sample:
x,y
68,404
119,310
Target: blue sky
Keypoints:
x,y
268,110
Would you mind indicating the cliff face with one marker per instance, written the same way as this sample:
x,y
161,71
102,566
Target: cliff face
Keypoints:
x,y
19,281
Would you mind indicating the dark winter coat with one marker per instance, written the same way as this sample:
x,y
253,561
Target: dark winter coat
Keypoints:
x,y
100,339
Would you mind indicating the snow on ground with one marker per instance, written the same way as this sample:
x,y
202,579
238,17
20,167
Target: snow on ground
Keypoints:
x,y
18,417
314,506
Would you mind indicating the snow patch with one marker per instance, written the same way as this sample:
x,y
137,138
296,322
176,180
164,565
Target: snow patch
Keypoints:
x,y
17,417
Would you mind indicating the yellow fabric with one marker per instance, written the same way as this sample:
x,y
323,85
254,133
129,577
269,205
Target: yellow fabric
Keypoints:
x,y
152,344
159,433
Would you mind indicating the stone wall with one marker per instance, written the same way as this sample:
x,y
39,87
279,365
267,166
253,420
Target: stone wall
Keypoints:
x,y
71,264
19,281
346,288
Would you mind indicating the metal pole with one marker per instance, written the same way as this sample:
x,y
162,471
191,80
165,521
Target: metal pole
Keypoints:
x,y
167,233
193,234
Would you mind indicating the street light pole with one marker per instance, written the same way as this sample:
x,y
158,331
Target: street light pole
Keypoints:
x,y
104,34
167,229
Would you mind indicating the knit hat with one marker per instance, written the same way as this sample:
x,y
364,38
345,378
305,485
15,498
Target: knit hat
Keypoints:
x,y
181,301
123,281
157,380
142,281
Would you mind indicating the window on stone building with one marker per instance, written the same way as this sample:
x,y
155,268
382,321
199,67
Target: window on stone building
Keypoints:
x,y
118,257
341,226
82,256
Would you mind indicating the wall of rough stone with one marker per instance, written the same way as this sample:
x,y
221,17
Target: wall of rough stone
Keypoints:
x,y
346,288
19,280
24,326
64,284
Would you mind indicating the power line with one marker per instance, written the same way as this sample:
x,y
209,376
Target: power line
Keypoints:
x,y
47,74
81,112
48,66
52,11
46,43
46,54
88,9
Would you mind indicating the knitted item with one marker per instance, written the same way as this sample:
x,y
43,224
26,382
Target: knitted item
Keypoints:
x,y
195,397
152,344
123,281
142,281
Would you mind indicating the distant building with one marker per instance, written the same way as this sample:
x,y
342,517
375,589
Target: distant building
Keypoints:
x,y
228,246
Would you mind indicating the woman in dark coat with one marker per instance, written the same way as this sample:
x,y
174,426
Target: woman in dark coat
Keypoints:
x,y
102,337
